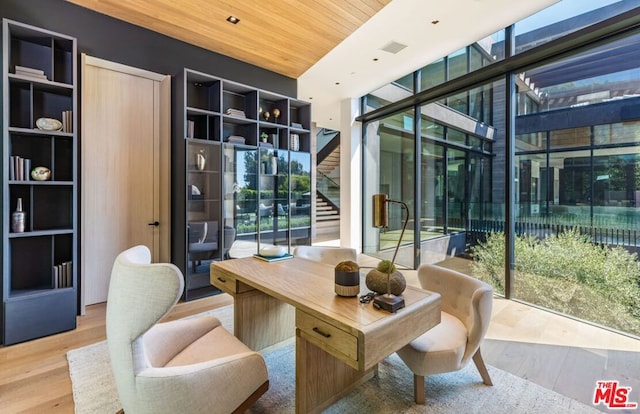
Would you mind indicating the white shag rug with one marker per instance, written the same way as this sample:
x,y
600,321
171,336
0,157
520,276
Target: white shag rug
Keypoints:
x,y
390,392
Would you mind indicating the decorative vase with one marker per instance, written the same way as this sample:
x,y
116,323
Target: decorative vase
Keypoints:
x,y
347,283
377,282
201,161
18,218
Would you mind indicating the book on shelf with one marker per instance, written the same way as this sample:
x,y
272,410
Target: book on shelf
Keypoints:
x,y
296,125
12,167
67,121
19,168
30,72
273,258
62,275
191,127
236,139
235,112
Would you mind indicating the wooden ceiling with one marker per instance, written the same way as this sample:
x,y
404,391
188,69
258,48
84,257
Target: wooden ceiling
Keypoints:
x,y
284,36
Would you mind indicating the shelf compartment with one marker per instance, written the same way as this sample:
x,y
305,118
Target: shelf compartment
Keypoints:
x,y
52,208
205,127
203,92
268,102
33,259
241,98
247,131
300,113
53,152
43,50
31,101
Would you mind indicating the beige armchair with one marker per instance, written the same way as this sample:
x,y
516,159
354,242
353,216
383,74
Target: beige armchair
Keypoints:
x,y
184,366
466,312
328,255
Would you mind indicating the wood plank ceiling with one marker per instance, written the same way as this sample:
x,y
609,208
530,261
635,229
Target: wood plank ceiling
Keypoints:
x,y
284,36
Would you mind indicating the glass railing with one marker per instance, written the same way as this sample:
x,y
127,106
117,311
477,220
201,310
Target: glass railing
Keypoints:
x,y
329,188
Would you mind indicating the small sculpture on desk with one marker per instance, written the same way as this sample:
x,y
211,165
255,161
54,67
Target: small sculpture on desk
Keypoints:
x,y
347,278
386,276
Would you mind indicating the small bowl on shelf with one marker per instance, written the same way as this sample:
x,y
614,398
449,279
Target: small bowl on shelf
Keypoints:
x,y
41,173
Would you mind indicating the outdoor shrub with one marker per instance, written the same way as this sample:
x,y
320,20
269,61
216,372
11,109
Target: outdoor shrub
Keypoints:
x,y
568,273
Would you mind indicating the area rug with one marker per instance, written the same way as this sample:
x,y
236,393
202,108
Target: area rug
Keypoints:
x,y
390,392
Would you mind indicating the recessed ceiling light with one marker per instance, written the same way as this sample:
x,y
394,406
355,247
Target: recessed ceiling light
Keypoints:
x,y
233,20
435,21
375,59
337,83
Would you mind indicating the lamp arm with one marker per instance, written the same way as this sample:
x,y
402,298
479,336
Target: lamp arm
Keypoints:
x,y
404,226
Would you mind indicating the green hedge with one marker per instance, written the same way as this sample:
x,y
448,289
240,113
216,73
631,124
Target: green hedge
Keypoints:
x,y
570,274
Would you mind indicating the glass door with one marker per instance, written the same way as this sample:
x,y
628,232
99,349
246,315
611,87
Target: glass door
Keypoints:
x,y
240,184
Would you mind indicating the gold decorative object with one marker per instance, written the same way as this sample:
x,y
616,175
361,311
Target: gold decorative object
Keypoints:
x,y
276,114
266,115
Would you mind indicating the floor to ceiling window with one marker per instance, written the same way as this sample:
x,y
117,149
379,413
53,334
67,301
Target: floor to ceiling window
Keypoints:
x,y
561,229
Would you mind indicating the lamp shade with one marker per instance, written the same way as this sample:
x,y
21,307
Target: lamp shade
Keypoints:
x,y
380,214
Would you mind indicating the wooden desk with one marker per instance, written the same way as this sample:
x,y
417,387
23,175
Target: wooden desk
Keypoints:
x,y
339,341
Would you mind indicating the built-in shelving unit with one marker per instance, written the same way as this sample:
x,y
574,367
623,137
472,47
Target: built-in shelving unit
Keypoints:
x,y
244,168
39,283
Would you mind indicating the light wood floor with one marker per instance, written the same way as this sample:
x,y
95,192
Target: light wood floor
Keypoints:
x,y
550,350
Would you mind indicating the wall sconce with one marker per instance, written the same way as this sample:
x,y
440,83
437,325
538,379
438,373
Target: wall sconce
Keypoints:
x,y
388,301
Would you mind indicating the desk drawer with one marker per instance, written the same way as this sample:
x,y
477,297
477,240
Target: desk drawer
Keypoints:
x,y
329,338
225,283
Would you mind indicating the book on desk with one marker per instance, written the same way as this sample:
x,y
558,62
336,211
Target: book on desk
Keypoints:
x,y
273,258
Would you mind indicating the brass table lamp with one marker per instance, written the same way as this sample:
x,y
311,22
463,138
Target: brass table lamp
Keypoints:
x,y
388,301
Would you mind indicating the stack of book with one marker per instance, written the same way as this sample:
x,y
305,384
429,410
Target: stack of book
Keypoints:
x,y
67,121
19,168
30,72
62,275
236,139
235,112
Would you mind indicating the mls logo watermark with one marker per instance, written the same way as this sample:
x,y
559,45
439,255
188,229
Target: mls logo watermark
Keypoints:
x,y
613,395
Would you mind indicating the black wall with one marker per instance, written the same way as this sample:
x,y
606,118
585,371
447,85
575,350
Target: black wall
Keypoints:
x,y
111,39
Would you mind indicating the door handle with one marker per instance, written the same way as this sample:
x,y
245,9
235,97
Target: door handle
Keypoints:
x,y
155,224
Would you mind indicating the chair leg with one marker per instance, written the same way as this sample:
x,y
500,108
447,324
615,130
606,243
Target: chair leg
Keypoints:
x,y
418,388
482,369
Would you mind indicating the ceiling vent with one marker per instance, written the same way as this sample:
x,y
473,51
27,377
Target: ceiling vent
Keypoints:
x,y
393,47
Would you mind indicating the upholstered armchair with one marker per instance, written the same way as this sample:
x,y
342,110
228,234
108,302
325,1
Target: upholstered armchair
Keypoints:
x,y
189,365
466,312
328,255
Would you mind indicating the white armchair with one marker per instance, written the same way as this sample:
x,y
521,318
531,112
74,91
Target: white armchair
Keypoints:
x,y
328,255
466,313
186,366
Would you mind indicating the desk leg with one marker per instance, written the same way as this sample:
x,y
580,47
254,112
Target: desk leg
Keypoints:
x,y
322,379
261,321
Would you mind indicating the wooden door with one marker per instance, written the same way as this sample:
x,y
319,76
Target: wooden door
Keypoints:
x,y
124,169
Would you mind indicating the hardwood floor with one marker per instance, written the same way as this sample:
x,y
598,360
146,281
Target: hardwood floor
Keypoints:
x,y
553,351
